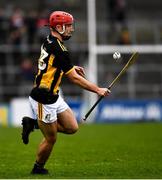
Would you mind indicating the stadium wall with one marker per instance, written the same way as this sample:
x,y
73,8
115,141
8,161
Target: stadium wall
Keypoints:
x,y
112,111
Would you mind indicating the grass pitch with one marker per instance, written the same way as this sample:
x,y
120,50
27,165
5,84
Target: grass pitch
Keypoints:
x,y
97,151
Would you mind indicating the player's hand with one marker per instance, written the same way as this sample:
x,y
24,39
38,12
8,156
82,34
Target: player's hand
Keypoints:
x,y
103,92
80,71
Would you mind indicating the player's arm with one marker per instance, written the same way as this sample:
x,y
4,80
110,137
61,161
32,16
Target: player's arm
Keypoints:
x,y
81,81
80,70
76,74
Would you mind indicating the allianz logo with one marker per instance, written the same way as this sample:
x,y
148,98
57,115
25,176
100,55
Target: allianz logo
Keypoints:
x,y
153,111
150,111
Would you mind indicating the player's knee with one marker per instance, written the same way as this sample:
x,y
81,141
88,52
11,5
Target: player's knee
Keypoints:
x,y
51,140
73,129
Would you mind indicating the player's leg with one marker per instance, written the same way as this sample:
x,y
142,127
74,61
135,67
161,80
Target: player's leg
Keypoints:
x,y
50,135
67,122
49,131
47,120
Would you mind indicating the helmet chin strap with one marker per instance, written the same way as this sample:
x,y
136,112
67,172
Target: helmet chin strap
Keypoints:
x,y
63,30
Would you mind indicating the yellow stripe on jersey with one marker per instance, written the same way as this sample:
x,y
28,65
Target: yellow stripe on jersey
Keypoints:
x,y
57,84
62,46
47,77
59,80
69,71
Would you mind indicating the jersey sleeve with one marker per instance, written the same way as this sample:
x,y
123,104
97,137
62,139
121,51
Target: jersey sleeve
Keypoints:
x,y
64,61
62,58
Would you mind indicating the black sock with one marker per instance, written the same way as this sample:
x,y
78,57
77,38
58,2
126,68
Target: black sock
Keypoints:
x,y
38,165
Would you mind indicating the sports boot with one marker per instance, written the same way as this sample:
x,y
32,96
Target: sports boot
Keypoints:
x,y
28,127
39,170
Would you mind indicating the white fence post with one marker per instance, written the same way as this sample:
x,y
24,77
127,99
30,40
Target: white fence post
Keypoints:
x,y
92,60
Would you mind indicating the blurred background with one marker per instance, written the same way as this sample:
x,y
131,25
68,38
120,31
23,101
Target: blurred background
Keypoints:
x,y
116,24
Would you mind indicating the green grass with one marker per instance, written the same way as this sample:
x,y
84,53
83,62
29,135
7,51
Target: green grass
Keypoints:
x,y
97,151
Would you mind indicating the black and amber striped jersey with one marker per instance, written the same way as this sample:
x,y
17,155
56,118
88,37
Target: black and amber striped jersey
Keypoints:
x,y
53,63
